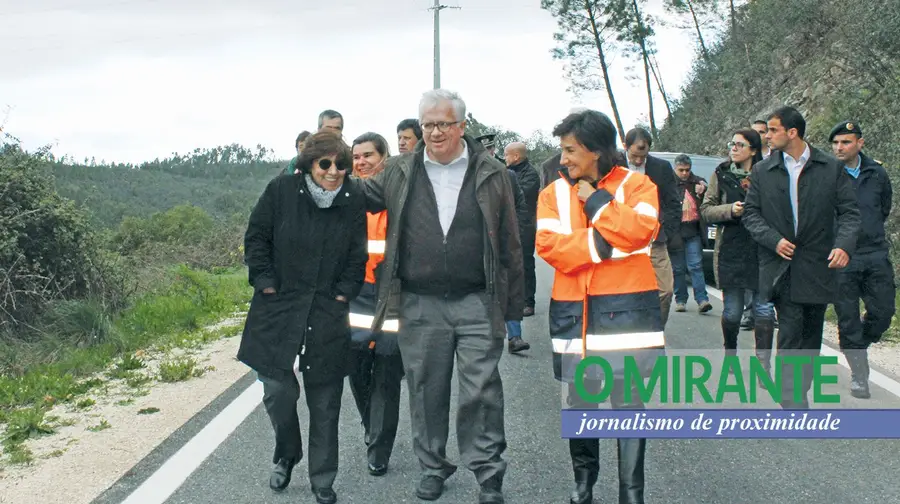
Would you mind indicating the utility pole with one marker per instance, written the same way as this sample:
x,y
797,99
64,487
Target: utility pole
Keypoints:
x,y
437,40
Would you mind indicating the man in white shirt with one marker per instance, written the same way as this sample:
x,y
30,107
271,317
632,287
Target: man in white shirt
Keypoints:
x,y
801,209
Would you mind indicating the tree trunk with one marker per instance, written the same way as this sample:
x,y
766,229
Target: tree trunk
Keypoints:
x,y
607,83
645,57
662,90
733,18
699,33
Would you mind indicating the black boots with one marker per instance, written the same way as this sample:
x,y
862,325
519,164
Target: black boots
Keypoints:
x,y
631,470
584,486
631,475
859,373
764,333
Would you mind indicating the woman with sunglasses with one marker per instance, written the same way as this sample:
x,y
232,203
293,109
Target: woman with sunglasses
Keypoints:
x,y
306,253
377,370
735,262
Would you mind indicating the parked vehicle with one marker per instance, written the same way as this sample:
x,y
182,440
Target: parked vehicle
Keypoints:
x,y
704,167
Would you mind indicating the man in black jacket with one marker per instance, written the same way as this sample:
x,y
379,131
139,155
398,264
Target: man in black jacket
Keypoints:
x,y
869,275
801,209
516,155
637,148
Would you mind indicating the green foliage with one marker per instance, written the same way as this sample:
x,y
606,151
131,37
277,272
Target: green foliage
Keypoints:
x,y
833,61
46,245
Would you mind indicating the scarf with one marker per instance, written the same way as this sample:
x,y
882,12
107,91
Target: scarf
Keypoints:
x,y
742,177
322,197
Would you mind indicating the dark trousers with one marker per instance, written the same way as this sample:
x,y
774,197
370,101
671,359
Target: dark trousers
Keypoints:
x,y
324,403
434,331
869,277
800,333
375,382
528,239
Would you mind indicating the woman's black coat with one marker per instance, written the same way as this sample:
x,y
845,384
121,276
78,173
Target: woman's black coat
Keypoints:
x,y
309,256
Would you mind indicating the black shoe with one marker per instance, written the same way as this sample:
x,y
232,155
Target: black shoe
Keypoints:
x,y
325,495
430,488
517,345
491,492
528,311
281,475
584,487
377,469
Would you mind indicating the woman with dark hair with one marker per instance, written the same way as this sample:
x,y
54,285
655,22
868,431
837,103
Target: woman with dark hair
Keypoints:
x,y
734,259
595,226
377,370
305,249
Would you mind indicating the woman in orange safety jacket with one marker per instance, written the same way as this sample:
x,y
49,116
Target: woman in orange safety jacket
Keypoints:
x,y
595,225
377,370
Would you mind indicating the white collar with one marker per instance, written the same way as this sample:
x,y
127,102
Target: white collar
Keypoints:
x,y
463,156
803,157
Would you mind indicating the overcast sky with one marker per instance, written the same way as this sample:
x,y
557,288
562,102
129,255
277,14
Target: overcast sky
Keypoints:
x,y
130,80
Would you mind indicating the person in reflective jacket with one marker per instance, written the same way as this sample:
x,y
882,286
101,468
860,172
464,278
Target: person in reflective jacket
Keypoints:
x,y
377,370
595,227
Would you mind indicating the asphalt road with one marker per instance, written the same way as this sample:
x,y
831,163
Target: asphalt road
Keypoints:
x,y
678,471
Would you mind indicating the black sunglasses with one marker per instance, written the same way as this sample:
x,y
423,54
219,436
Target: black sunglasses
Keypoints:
x,y
325,165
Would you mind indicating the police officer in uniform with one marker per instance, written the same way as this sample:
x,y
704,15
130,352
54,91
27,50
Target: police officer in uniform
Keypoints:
x,y
869,275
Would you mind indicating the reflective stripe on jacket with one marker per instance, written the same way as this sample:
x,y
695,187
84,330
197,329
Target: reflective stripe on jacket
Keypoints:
x,y
362,309
600,250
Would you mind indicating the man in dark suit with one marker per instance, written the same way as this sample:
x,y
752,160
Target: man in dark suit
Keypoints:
x,y
802,211
637,151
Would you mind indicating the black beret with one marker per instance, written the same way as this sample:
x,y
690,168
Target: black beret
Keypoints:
x,y
845,128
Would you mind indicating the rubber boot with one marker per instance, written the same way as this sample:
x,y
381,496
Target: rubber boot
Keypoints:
x,y
584,486
730,332
631,470
764,333
859,373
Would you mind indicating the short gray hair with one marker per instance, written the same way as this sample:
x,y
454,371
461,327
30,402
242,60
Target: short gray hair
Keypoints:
x,y
433,98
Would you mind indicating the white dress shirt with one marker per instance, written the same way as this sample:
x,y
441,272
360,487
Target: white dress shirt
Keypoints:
x,y
447,181
794,168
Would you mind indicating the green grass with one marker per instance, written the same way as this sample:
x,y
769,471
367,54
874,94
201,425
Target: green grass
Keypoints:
x,y
168,318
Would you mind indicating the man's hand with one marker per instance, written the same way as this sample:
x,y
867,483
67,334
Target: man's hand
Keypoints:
x,y
785,249
585,189
269,290
699,188
340,298
838,259
737,209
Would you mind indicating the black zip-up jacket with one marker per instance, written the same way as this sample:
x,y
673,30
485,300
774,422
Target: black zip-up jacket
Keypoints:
x,y
873,194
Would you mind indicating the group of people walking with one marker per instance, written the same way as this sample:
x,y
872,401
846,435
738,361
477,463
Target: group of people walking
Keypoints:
x,y
424,260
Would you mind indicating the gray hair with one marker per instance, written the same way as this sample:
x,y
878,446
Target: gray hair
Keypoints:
x,y
683,159
433,98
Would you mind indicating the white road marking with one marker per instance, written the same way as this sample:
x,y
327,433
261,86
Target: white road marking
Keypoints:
x,y
176,470
883,381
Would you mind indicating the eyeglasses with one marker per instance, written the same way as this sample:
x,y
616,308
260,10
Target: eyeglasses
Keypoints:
x,y
441,126
325,165
739,145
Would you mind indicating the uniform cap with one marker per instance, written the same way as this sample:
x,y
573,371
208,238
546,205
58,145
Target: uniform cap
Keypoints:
x,y
487,140
845,128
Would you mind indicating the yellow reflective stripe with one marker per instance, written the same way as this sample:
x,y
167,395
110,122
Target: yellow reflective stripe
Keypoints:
x,y
620,191
377,246
628,341
365,322
567,346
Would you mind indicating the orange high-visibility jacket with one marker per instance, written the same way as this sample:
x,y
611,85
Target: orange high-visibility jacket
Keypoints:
x,y
362,308
605,298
